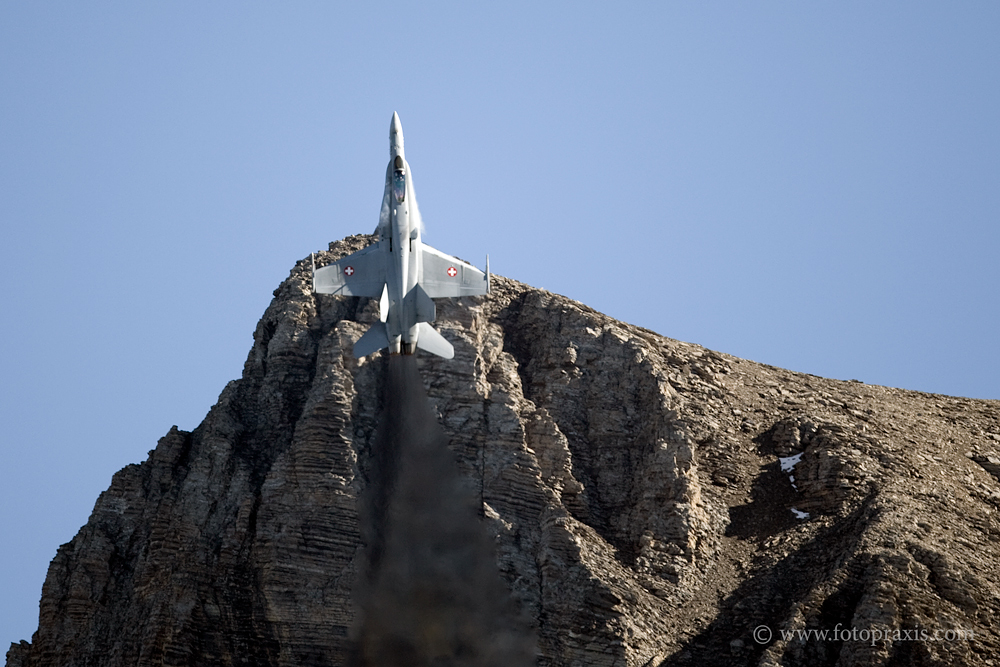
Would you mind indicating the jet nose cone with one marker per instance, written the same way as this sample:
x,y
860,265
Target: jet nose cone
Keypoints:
x,y
395,136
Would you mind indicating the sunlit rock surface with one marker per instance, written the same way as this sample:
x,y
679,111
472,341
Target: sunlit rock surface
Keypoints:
x,y
631,483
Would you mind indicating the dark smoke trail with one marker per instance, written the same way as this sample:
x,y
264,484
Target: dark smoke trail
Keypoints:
x,y
429,592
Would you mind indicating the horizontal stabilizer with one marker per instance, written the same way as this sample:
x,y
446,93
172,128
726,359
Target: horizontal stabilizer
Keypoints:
x,y
429,339
373,341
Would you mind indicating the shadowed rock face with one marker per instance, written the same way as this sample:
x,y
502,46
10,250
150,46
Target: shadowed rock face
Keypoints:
x,y
632,485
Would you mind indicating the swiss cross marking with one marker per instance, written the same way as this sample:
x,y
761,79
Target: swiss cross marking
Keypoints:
x,y
452,271
348,270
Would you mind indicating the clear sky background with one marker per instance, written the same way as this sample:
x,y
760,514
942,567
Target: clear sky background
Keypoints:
x,y
812,185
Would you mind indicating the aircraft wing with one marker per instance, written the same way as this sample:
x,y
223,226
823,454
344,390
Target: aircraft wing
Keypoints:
x,y
360,274
445,275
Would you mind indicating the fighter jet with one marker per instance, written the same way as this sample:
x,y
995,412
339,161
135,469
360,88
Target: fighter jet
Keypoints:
x,y
398,268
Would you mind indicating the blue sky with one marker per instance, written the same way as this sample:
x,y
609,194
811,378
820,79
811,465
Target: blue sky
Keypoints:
x,y
809,185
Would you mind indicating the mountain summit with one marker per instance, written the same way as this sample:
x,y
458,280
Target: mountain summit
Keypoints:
x,y
651,503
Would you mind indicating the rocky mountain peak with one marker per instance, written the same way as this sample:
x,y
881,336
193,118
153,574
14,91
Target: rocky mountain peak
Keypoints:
x,y
651,502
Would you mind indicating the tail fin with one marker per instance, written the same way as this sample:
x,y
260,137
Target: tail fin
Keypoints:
x,y
426,310
383,304
429,339
374,340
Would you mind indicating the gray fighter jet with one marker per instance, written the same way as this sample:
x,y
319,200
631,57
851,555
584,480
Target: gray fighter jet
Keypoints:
x,y
403,272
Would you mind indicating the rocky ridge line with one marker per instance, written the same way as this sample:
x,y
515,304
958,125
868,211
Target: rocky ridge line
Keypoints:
x,y
633,484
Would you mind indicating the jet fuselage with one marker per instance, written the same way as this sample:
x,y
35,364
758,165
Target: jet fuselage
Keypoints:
x,y
400,270
405,258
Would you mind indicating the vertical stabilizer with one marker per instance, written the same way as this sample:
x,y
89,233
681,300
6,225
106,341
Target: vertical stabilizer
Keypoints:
x,y
383,304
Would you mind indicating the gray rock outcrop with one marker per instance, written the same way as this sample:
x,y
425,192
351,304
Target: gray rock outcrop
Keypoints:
x,y
633,485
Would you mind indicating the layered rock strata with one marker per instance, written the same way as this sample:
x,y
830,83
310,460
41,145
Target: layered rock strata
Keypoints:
x,y
652,502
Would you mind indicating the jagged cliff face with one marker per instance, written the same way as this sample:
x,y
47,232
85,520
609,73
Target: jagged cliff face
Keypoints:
x,y
633,485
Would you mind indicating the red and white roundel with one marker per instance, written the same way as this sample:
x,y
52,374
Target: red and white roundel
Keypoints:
x,y
348,270
452,271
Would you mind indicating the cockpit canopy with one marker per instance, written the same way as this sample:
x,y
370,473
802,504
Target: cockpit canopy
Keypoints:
x,y
398,180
